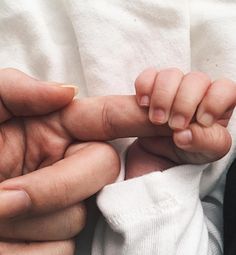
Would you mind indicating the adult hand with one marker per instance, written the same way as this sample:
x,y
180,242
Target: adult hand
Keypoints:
x,y
38,248
46,206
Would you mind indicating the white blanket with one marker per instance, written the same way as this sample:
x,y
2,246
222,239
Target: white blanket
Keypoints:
x,y
102,45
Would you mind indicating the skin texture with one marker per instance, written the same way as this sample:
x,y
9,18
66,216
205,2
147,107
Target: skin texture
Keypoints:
x,y
36,205
46,248
193,107
40,132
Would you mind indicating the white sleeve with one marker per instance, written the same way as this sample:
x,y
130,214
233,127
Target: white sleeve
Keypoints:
x,y
159,213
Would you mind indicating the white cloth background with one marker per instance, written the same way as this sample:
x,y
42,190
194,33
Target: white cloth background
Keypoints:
x,y
102,45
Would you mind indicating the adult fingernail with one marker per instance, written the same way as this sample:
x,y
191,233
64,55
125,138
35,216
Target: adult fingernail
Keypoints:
x,y
144,101
62,85
206,119
75,88
13,203
184,137
158,115
177,122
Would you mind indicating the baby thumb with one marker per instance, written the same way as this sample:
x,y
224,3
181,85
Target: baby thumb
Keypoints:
x,y
205,144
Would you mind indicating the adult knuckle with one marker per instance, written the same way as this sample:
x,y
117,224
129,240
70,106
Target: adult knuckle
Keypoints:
x,y
60,191
67,247
105,151
108,127
162,93
77,220
66,187
108,156
53,148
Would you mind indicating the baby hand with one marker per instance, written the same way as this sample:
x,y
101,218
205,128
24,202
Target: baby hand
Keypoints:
x,y
194,108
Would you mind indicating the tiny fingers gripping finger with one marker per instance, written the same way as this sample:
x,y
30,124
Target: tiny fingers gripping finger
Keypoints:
x,y
143,86
191,92
163,94
220,99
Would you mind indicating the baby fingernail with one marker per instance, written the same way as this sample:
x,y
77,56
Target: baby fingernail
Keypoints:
x,y
158,115
13,202
144,101
177,122
206,119
75,88
184,137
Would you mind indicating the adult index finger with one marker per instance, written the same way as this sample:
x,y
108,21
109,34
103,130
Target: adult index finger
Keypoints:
x,y
107,118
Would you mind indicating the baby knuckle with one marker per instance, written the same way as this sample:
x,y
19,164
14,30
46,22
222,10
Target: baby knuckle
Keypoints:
x,y
166,73
171,70
170,73
140,82
184,104
200,76
145,79
224,82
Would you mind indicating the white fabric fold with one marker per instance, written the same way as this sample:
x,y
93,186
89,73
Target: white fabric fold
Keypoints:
x,y
102,46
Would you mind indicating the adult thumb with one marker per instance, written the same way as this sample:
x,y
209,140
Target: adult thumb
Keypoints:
x,y
21,95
